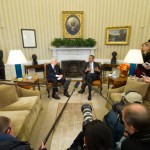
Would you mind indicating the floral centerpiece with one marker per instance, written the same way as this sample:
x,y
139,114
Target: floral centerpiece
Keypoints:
x,y
124,68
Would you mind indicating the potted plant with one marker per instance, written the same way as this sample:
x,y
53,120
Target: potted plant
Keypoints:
x,y
78,42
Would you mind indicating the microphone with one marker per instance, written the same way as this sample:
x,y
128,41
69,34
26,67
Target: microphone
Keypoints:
x,y
67,83
77,84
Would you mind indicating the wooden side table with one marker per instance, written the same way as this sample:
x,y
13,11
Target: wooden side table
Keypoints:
x,y
28,83
106,66
117,82
40,66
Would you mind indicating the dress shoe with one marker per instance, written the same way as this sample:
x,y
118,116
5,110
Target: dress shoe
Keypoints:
x,y
89,97
81,91
66,94
55,96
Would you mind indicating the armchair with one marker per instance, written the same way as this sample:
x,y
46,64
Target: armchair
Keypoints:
x,y
132,85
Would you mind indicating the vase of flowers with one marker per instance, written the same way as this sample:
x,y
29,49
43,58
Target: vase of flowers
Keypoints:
x,y
124,68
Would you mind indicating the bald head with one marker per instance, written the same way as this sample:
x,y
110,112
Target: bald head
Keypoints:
x,y
54,61
137,115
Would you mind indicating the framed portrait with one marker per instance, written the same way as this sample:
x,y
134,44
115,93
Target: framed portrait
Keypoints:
x,y
118,35
28,38
72,24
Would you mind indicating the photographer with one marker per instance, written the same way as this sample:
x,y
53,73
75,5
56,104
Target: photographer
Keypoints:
x,y
7,139
96,136
136,118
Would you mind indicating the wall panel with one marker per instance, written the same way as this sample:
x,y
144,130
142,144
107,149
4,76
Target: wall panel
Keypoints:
x,y
45,16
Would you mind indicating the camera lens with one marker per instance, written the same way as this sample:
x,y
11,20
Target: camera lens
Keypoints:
x,y
87,113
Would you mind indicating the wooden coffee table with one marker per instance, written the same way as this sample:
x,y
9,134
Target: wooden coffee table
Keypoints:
x,y
28,83
117,82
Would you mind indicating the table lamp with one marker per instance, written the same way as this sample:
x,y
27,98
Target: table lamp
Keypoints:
x,y
16,57
134,57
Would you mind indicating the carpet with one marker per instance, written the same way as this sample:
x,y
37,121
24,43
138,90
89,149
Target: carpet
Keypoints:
x,y
68,126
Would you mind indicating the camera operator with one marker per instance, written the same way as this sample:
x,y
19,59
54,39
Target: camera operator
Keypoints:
x,y
7,139
95,134
136,118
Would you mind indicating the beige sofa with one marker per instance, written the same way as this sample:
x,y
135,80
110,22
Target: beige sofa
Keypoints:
x,y
132,85
21,106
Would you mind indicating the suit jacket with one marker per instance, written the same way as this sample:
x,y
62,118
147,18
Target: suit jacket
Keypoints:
x,y
51,73
95,65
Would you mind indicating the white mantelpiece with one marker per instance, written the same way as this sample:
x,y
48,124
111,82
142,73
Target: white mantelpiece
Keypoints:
x,y
72,53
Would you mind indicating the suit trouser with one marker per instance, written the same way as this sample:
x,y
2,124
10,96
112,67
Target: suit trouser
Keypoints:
x,y
89,78
55,81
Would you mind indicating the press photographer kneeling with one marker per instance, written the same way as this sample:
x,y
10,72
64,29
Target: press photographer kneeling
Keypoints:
x,y
95,134
136,118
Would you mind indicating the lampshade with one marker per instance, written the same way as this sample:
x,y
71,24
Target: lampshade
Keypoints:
x,y
16,57
134,56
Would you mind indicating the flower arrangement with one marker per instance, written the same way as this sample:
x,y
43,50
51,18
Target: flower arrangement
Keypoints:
x,y
124,69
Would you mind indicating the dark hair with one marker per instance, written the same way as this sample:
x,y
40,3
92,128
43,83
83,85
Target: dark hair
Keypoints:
x,y
4,124
148,40
140,120
98,136
92,56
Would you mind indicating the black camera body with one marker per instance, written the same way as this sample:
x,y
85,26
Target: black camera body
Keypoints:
x,y
118,107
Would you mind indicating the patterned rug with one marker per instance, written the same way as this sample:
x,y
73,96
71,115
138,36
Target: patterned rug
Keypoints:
x,y
68,127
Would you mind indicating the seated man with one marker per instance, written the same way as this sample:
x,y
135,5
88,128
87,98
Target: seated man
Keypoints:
x,y
136,118
7,139
92,72
54,74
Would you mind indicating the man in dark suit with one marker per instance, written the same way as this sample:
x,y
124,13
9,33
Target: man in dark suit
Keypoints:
x,y
54,74
91,72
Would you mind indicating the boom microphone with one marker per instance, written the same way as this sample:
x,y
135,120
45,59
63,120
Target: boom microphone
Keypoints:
x,y
60,114
77,84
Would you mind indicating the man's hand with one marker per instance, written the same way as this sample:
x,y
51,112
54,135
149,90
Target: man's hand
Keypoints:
x,y
42,147
87,69
96,69
60,76
147,79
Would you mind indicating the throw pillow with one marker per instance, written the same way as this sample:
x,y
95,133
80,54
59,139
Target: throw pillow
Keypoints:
x,y
8,95
138,86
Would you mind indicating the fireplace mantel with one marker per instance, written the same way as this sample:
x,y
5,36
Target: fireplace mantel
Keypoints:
x,y
72,53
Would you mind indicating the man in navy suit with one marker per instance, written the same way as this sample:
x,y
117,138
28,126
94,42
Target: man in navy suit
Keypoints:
x,y
91,72
54,74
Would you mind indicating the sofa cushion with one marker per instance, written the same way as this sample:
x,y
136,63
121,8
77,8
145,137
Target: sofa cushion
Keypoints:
x,y
138,86
115,97
23,103
8,95
18,119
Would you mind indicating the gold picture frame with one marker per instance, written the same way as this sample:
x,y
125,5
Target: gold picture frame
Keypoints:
x,y
72,24
118,35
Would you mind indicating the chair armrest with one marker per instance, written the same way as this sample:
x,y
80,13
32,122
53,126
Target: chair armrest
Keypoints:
x,y
25,93
116,90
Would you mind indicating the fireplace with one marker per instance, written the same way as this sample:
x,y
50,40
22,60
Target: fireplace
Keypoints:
x,y
73,68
